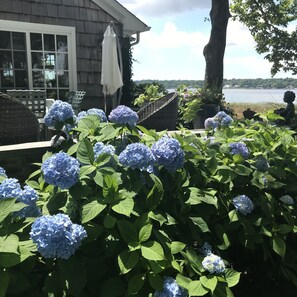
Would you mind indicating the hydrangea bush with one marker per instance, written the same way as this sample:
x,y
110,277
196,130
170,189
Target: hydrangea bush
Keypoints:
x,y
172,214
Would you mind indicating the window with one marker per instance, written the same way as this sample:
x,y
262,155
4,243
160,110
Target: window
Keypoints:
x,y
38,57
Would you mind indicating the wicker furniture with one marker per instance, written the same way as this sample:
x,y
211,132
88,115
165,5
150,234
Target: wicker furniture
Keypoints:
x,y
75,98
18,123
160,114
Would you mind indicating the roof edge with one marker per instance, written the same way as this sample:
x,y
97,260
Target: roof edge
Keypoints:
x,y
131,23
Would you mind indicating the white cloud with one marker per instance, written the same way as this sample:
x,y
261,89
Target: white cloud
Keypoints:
x,y
157,8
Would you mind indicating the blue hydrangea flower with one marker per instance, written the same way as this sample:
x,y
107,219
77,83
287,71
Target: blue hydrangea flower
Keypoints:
x,y
239,148
10,188
137,155
223,119
59,112
262,164
167,152
220,116
93,111
100,148
61,170
226,121
171,289
3,172
287,199
29,196
56,236
210,123
243,204
213,264
123,115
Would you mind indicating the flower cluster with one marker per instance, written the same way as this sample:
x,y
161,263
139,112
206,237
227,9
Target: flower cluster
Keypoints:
x,y
56,236
93,111
59,112
11,188
123,115
137,155
287,199
243,204
206,249
239,148
213,264
220,119
171,289
61,170
100,148
167,152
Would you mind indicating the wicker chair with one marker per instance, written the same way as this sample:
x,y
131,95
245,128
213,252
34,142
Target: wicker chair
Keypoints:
x,y
160,114
75,98
18,123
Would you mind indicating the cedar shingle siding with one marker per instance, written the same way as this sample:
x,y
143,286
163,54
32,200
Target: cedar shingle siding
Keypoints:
x,y
90,22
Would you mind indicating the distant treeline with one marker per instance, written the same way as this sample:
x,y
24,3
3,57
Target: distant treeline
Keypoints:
x,y
259,83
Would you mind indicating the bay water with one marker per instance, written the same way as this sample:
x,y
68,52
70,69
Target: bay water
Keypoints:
x,y
255,95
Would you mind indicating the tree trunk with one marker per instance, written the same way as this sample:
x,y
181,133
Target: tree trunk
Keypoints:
x,y
215,49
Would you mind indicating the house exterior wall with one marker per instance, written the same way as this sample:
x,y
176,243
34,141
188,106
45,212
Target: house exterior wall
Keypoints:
x,y
90,22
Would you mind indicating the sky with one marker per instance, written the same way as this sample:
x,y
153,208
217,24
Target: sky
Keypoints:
x,y
173,48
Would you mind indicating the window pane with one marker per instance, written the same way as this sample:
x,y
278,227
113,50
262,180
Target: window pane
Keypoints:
x,y
51,93
49,60
5,59
37,60
4,40
18,41
63,80
62,62
63,94
20,60
36,41
21,79
7,79
38,79
62,43
49,42
50,79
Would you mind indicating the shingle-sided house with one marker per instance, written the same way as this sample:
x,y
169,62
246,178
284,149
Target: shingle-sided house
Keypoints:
x,y
56,45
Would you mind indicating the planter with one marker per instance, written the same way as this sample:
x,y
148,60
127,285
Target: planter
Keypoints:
x,y
206,111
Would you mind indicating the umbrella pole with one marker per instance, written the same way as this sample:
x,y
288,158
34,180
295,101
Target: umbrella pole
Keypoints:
x,y
105,103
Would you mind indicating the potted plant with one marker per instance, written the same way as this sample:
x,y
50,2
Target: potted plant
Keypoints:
x,y
200,105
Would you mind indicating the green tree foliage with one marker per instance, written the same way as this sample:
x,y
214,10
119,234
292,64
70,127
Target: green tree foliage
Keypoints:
x,y
268,22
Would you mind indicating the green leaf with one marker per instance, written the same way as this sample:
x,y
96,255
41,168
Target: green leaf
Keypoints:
x,y
232,277
152,250
279,246
176,247
198,221
195,288
283,229
183,281
242,170
113,287
209,282
124,207
9,244
6,207
86,170
75,274
56,202
4,281
145,233
155,195
127,261
136,283
176,266
91,210
85,153
156,281
109,221
98,179
128,231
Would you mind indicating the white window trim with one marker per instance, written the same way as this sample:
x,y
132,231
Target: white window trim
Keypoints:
x,y
14,26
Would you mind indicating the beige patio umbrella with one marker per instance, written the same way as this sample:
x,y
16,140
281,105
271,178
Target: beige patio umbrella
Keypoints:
x,y
111,76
